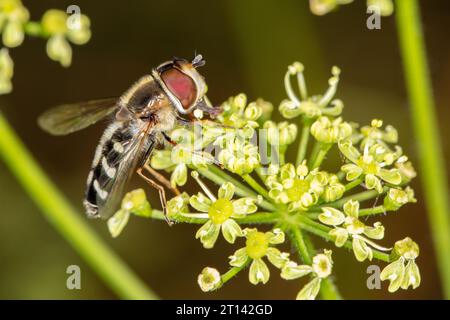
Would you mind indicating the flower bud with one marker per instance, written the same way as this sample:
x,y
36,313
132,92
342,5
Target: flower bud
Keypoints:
x,y
407,249
209,279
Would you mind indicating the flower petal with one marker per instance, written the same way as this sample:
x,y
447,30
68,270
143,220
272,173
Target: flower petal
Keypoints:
x,y
310,290
117,222
372,182
277,258
292,271
361,250
276,236
331,216
161,160
352,171
244,206
375,232
259,272
208,234
395,273
340,236
392,176
412,275
231,230
349,151
200,202
238,258
226,191
179,175
351,208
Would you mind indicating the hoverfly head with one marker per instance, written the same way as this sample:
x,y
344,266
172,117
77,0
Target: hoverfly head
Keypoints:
x,y
182,83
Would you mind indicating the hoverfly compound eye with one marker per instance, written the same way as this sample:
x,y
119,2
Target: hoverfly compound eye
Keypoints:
x,y
181,85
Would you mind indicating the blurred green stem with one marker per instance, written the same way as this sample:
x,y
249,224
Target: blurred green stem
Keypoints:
x,y
426,129
66,220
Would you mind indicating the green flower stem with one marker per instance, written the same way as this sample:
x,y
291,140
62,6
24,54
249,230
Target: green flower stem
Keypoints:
x,y
361,197
372,211
328,290
219,177
300,244
314,153
323,149
67,221
232,273
322,231
354,183
256,186
33,28
303,141
427,132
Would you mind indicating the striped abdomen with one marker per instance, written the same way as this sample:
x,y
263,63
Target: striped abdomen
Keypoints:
x,y
105,166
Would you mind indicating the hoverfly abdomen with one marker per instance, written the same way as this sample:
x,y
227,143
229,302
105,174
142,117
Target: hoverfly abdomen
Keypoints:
x,y
105,166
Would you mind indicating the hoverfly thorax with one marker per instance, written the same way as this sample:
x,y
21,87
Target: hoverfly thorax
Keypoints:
x,y
182,83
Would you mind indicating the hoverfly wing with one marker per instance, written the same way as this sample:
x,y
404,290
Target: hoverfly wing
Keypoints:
x,y
117,157
68,118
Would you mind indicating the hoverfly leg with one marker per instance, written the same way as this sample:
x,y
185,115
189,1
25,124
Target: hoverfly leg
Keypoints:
x,y
161,191
169,139
162,179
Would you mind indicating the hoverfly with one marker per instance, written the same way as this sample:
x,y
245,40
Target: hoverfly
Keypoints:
x,y
152,106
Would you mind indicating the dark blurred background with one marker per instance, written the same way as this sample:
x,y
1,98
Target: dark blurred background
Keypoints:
x,y
248,45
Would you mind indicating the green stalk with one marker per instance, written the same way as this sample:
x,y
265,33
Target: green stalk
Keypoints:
x,y
256,186
372,211
232,273
67,221
353,184
323,149
361,197
425,125
303,141
219,177
298,240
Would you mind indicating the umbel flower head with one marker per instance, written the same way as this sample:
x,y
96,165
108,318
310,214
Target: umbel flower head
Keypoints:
x,y
257,246
13,16
301,198
219,213
314,106
370,165
301,188
60,28
347,224
404,271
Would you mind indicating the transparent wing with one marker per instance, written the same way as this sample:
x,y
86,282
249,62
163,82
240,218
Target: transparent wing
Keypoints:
x,y
135,153
68,118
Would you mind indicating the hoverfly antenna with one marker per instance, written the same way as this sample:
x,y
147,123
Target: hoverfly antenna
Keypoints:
x,y
198,61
